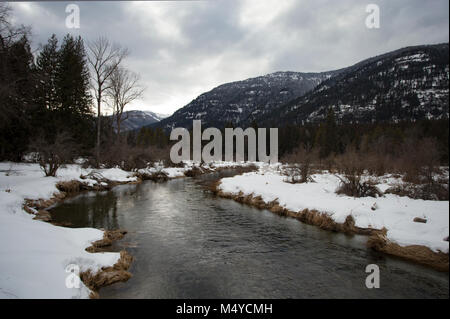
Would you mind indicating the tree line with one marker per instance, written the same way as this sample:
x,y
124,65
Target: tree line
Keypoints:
x,y
47,99
51,102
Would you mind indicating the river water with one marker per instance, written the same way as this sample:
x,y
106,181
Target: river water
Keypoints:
x,y
187,243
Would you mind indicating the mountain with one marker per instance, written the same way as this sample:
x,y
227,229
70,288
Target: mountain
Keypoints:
x,y
133,120
411,83
407,84
241,102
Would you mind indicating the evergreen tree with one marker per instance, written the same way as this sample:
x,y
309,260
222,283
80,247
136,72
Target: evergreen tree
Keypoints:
x,y
72,87
47,73
73,78
17,83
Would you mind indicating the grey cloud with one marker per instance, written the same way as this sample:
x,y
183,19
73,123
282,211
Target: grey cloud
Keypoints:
x,y
182,49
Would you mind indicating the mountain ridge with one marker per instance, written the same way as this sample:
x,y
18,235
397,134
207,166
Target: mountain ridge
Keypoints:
x,y
403,85
135,119
239,101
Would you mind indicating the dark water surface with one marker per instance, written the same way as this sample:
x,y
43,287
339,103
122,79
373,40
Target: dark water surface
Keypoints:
x,y
188,243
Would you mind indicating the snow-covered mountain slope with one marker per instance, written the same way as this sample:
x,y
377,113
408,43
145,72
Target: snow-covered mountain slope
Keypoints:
x,y
133,120
408,84
241,102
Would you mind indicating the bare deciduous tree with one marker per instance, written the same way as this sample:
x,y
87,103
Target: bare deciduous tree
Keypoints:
x,y
123,88
51,155
8,32
104,58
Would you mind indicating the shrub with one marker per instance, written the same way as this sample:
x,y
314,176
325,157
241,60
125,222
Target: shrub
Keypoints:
x,y
51,155
351,167
298,174
300,171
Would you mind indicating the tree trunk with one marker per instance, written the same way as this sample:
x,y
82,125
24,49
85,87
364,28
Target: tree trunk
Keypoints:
x,y
97,151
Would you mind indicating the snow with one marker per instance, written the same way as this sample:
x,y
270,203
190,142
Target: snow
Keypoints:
x,y
174,172
116,174
395,213
34,254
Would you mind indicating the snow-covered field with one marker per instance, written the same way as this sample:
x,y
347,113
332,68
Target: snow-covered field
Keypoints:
x,y
34,254
393,212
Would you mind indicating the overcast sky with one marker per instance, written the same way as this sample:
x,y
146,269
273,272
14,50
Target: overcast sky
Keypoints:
x,y
184,48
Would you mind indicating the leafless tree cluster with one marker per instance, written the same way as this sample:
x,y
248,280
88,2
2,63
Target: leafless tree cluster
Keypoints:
x,y
9,33
52,155
112,83
104,58
123,88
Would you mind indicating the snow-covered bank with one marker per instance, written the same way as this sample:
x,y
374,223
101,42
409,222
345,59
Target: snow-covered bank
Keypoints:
x,y
393,212
34,254
175,172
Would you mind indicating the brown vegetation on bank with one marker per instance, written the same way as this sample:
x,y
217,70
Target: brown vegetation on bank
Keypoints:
x,y
158,176
108,275
377,239
311,217
420,254
109,236
195,171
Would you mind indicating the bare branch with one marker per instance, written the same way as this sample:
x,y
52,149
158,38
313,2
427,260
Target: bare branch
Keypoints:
x,y
104,58
123,88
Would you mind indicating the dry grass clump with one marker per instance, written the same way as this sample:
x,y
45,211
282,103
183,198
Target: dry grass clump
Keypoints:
x,y
311,217
419,254
69,187
158,176
108,275
244,169
109,236
193,172
40,203
43,215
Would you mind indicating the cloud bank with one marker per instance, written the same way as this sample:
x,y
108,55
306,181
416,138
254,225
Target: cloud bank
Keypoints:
x,y
184,48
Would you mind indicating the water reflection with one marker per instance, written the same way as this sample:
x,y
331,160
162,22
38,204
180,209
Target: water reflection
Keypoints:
x,y
98,210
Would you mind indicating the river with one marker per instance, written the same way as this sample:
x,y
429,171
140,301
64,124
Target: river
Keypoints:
x,y
188,243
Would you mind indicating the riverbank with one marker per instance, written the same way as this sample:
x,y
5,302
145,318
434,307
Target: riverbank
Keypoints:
x,y
35,254
412,229
36,257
